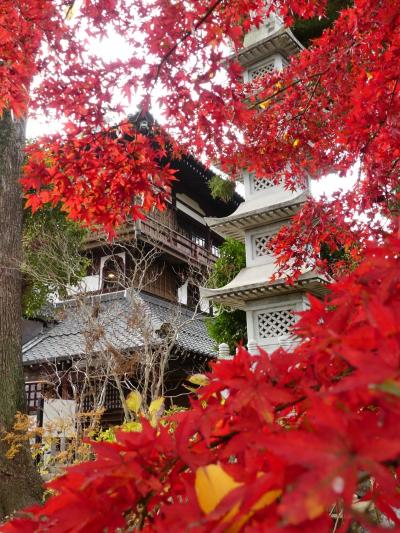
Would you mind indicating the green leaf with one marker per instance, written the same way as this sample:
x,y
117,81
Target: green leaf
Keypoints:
x,y
132,426
227,325
221,188
390,386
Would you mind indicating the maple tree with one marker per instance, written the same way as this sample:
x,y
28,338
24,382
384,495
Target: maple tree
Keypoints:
x,y
206,110
335,106
300,442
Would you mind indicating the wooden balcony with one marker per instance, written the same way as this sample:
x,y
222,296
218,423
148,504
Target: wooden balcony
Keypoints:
x,y
162,229
176,242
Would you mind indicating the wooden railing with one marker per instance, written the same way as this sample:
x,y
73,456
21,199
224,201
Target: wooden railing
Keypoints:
x,y
176,241
163,228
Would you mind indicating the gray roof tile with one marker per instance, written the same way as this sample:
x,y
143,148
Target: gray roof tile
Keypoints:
x,y
100,322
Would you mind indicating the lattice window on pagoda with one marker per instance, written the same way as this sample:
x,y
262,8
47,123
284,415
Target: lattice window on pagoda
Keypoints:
x,y
259,71
34,394
262,184
275,323
262,246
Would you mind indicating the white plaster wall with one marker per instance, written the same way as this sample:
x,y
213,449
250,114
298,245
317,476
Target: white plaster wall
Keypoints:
x,y
204,305
86,284
183,293
59,417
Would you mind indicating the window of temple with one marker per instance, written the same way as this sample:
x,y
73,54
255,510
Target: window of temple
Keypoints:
x,y
275,323
112,398
215,250
113,273
199,241
34,394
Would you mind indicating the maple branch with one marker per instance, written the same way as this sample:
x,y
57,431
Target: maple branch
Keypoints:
x,y
382,122
69,10
187,34
142,508
223,439
284,406
301,113
286,87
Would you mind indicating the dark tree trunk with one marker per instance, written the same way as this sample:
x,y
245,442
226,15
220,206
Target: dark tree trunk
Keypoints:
x,y
20,484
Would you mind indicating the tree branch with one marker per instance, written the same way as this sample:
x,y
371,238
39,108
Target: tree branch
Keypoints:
x,y
283,89
165,58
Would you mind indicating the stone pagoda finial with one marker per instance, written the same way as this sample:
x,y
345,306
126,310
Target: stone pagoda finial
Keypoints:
x,y
223,351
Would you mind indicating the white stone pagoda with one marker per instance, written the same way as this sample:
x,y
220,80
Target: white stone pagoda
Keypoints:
x,y
269,306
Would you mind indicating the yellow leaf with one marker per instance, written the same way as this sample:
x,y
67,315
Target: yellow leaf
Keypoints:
x,y
132,426
265,104
212,484
191,389
313,506
266,499
156,406
134,401
199,379
369,75
296,142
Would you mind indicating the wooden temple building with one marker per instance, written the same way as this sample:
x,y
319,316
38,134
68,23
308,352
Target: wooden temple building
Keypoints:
x,y
187,235
111,300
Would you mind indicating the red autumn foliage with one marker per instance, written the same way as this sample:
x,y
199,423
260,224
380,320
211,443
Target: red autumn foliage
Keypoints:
x,y
316,428
300,436
335,105
112,170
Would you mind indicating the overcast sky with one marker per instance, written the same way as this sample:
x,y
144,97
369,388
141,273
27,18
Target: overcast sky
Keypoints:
x,y
112,48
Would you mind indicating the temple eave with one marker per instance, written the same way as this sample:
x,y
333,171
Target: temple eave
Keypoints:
x,y
282,41
238,297
234,225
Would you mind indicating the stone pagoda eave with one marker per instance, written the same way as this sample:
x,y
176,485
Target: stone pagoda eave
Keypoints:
x,y
260,210
253,283
281,41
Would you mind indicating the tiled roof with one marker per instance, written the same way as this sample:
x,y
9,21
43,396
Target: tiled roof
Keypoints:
x,y
118,321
